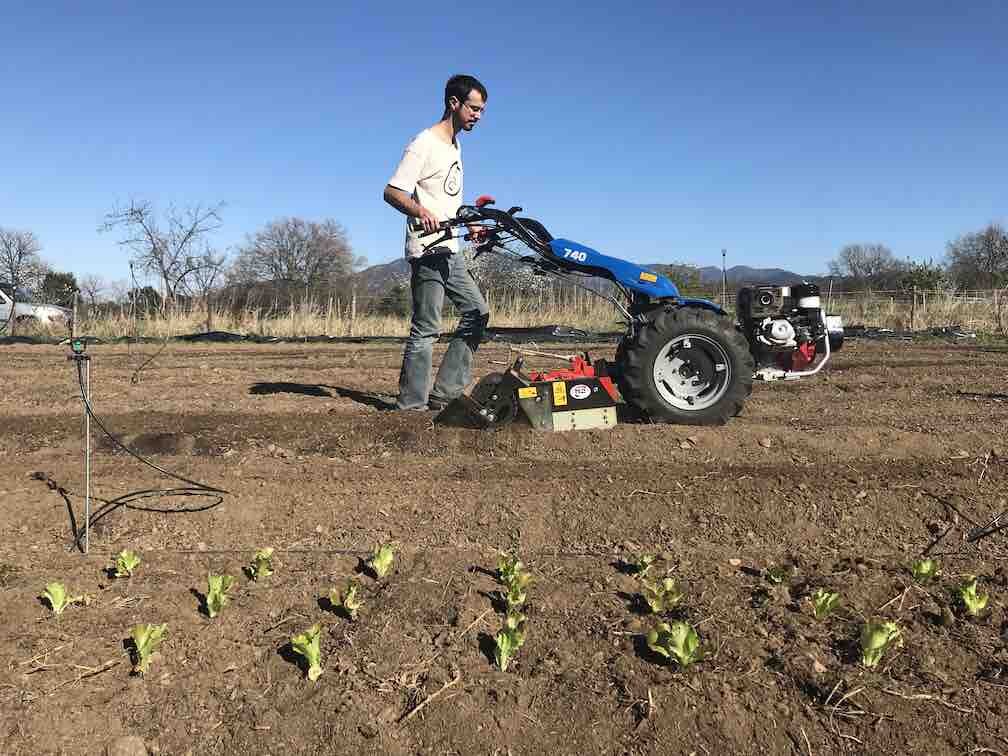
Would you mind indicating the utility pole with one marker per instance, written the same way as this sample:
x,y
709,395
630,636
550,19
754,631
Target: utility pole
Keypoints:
x,y
724,280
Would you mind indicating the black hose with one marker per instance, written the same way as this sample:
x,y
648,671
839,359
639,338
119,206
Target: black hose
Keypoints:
x,y
194,487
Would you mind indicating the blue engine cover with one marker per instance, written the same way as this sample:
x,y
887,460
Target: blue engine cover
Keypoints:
x,y
653,285
579,257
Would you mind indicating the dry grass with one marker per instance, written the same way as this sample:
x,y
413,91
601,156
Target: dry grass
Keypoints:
x,y
974,312
982,312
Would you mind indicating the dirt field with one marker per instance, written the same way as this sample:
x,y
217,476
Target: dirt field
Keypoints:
x,y
848,477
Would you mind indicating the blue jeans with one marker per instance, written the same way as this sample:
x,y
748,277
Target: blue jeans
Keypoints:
x,y
433,277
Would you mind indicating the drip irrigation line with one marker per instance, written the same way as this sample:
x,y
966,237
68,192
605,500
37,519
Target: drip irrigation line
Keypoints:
x,y
194,488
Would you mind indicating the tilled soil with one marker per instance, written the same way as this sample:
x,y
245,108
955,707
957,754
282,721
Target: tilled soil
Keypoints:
x,y
846,478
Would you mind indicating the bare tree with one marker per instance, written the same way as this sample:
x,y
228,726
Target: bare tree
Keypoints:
x,y
980,260
171,249
865,263
296,252
93,287
119,289
20,264
205,277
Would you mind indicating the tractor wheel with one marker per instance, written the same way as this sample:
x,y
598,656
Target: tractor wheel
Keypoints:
x,y
689,366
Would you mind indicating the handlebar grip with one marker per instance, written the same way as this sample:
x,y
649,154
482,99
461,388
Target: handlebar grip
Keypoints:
x,y
416,225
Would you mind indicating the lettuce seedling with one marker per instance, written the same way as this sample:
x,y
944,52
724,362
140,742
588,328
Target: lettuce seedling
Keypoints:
x,y
661,595
261,565
508,641
677,641
823,603
642,563
972,600
381,560
347,599
876,639
125,562
925,570
508,566
217,598
778,574
146,639
517,590
307,645
56,595
515,620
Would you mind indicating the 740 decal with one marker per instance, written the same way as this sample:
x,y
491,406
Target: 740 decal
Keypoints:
x,y
575,255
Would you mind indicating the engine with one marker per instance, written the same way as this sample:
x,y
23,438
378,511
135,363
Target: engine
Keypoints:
x,y
788,333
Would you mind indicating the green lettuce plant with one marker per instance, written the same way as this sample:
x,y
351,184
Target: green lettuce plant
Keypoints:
x,y
677,641
508,566
217,598
642,563
381,559
516,593
661,595
969,594
510,638
348,599
125,562
925,570
779,573
877,638
514,620
307,644
56,594
824,602
261,565
146,639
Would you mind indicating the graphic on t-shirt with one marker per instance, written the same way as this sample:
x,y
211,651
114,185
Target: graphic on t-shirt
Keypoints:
x,y
453,181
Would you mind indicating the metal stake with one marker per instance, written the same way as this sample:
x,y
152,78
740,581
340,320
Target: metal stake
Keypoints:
x,y
87,457
77,354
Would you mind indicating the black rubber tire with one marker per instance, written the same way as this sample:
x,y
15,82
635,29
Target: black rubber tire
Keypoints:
x,y
636,361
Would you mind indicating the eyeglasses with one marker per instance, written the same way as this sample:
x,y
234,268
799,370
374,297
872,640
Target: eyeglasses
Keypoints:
x,y
474,108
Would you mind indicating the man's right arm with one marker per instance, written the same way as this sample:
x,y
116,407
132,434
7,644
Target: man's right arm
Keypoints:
x,y
406,205
400,188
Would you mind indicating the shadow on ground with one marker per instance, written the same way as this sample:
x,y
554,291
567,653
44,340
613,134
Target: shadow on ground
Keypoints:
x,y
371,399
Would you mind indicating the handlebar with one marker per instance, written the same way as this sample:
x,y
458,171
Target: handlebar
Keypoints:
x,y
416,225
470,215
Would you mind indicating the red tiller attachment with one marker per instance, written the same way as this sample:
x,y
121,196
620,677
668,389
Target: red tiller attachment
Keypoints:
x,y
580,367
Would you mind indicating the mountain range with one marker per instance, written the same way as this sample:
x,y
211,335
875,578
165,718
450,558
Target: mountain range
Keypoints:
x,y
743,274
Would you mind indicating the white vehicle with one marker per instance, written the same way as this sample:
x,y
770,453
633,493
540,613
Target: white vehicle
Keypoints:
x,y
26,312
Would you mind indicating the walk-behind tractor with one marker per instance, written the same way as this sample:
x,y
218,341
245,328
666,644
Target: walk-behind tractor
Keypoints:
x,y
682,360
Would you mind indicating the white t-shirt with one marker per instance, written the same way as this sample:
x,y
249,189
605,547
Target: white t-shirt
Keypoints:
x,y
431,171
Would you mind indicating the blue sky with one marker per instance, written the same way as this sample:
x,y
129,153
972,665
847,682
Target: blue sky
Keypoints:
x,y
658,132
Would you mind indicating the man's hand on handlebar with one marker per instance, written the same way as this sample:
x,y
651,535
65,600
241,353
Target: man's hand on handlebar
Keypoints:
x,y
427,219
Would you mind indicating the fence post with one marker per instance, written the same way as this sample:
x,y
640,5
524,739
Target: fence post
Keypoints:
x,y
913,310
353,308
997,314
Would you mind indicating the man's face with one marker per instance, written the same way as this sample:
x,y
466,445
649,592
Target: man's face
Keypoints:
x,y
468,112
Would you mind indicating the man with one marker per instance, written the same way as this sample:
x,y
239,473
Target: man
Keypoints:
x,y
427,188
